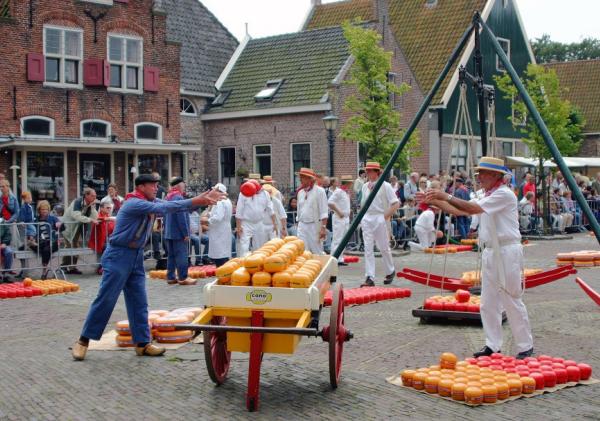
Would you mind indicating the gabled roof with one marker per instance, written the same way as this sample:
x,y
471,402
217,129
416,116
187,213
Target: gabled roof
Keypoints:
x,y
334,14
307,62
426,35
206,45
582,82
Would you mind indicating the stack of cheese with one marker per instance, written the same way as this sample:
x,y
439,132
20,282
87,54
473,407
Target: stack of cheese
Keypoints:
x,y
469,241
278,263
583,258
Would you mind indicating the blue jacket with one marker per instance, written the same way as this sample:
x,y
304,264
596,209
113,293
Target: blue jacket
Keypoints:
x,y
13,207
136,218
47,230
26,215
177,225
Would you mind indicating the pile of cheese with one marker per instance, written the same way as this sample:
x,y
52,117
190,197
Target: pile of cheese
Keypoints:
x,y
279,263
583,258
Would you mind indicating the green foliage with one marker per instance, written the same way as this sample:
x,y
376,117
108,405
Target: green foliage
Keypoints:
x,y
374,122
564,122
547,51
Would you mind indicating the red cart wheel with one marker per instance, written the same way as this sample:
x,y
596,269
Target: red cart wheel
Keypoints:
x,y
216,355
337,335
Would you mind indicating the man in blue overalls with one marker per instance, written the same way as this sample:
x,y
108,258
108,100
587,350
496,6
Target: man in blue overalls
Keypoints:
x,y
177,236
123,263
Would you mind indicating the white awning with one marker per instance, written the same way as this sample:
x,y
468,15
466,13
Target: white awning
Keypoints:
x,y
519,161
571,161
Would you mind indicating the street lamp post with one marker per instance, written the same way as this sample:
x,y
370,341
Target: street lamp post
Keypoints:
x,y
330,121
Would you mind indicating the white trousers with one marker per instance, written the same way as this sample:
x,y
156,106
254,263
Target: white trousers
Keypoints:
x,y
309,233
374,230
254,231
426,237
269,231
340,226
494,299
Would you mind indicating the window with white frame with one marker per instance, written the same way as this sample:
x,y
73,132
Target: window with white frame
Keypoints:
x,y
148,133
125,56
300,159
187,107
458,158
262,159
37,127
63,52
505,44
95,130
227,166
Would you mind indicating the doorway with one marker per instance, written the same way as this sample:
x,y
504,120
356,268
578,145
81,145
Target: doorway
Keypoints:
x,y
94,172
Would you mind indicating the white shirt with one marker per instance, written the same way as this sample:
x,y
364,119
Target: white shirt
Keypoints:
x,y
312,206
341,200
278,210
195,223
254,208
219,234
426,220
385,194
502,206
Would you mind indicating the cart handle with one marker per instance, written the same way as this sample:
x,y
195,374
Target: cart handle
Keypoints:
x,y
249,329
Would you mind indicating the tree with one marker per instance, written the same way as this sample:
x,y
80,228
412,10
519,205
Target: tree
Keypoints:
x,y
564,122
374,121
547,51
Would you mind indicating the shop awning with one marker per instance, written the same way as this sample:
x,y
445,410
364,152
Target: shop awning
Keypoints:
x,y
571,161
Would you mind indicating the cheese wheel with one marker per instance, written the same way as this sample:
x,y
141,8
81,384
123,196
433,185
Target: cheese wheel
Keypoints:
x,y
490,393
160,313
122,327
307,254
174,337
224,272
528,385
194,310
583,263
254,263
290,238
458,391
261,279
431,384
474,395
275,263
167,323
515,387
419,380
300,280
241,276
407,376
281,279
300,246
124,341
445,387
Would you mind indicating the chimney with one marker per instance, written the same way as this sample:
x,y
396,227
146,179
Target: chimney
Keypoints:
x,y
314,3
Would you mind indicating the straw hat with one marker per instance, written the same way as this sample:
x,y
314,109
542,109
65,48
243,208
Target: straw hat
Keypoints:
x,y
375,166
253,176
268,179
307,172
492,164
346,179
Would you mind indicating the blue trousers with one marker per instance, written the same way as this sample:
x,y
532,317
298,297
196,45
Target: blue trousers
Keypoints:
x,y
177,251
464,225
7,257
123,271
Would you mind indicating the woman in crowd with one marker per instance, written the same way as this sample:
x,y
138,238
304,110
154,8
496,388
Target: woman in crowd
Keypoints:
x,y
292,211
26,228
101,230
47,235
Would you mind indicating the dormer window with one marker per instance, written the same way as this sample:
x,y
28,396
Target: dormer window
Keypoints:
x,y
268,92
221,98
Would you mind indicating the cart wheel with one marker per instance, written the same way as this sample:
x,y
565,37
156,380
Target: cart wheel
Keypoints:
x,y
216,355
337,335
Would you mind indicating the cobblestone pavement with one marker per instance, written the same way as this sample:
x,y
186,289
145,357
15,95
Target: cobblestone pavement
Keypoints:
x,y
40,381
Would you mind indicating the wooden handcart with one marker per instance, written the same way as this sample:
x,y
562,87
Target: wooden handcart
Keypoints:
x,y
261,320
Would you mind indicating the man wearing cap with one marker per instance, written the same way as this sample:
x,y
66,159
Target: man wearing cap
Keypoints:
x,y
426,231
312,212
177,236
268,180
275,225
375,224
339,203
502,258
219,231
123,264
249,215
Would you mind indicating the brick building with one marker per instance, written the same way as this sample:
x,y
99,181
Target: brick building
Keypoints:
x,y
98,91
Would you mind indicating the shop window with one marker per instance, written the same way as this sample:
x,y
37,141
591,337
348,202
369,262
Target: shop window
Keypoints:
x,y
45,176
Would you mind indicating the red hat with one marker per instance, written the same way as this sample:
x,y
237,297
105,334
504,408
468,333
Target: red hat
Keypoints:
x,y
307,172
375,166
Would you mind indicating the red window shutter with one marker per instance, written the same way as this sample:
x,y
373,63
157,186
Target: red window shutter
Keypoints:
x,y
106,73
35,67
151,79
93,72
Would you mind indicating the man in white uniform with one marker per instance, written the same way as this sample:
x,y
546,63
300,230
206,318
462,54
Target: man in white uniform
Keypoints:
x,y
312,212
219,234
339,203
249,220
375,224
502,286
268,180
425,230
275,225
